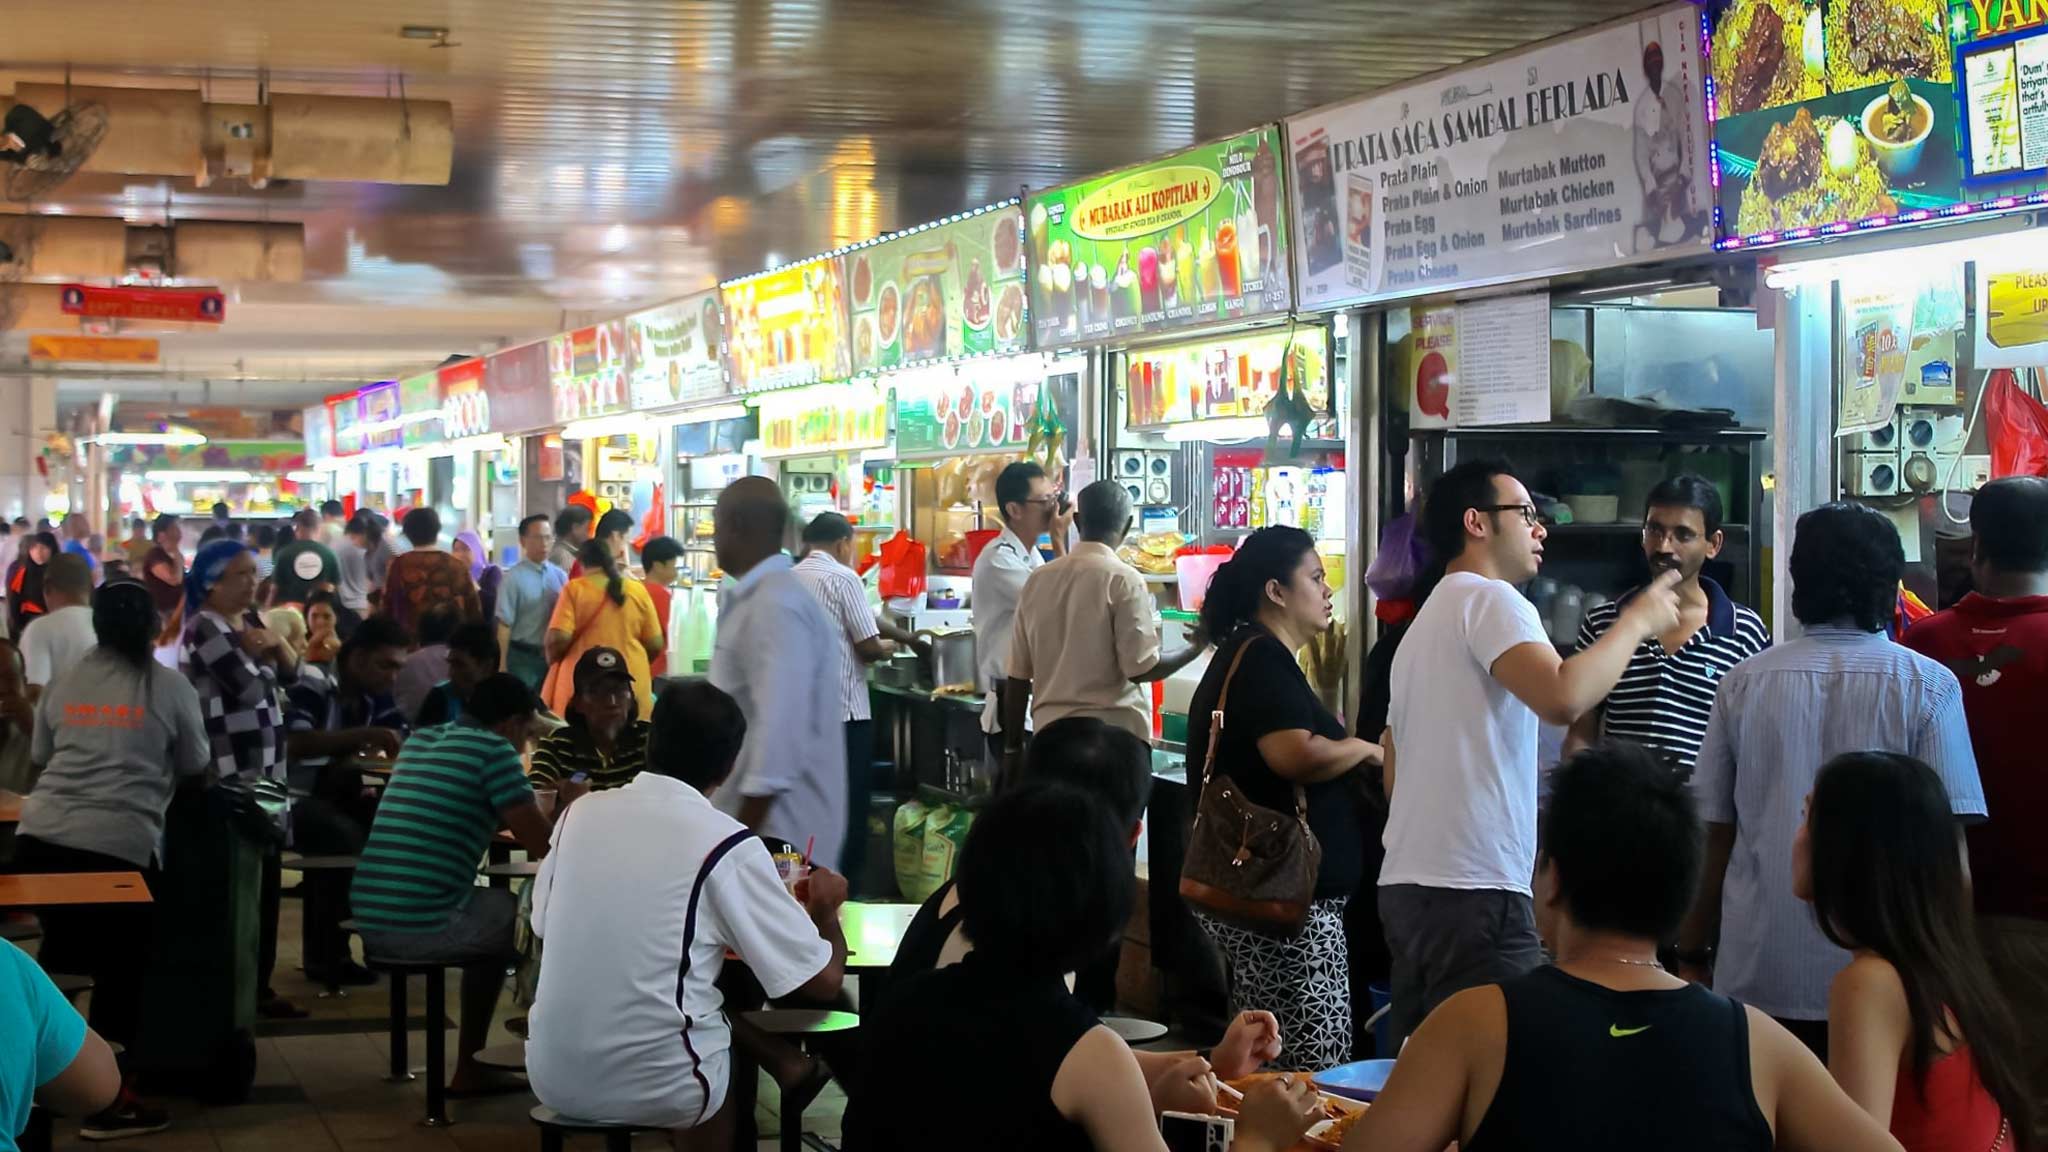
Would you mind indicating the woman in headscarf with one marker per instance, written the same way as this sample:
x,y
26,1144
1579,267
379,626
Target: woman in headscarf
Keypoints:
x,y
469,548
25,582
238,663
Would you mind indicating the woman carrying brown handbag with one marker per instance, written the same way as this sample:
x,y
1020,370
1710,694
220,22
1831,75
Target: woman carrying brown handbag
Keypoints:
x,y
1283,751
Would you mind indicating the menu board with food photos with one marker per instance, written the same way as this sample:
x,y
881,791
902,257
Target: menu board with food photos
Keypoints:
x,y
319,432
944,410
587,371
465,406
377,413
674,353
1228,377
940,291
419,400
1840,114
846,417
1195,238
787,327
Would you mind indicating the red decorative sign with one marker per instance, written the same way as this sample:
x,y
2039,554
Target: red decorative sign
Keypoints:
x,y
189,305
465,406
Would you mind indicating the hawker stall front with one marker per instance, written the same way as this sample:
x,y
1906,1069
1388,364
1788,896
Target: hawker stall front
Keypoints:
x,y
938,315
687,418
1895,178
1175,273
516,404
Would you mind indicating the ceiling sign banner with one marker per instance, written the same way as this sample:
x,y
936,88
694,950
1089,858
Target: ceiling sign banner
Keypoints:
x,y
1586,152
940,291
419,405
378,418
587,372
1191,239
92,349
788,327
517,381
846,417
188,305
465,406
675,353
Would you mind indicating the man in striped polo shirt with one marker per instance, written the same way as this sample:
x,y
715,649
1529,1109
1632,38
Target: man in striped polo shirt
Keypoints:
x,y
415,896
1663,700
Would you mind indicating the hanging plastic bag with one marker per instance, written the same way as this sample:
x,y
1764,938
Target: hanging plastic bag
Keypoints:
x,y
903,568
2017,427
1399,562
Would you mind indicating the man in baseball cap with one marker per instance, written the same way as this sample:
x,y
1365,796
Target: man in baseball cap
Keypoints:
x,y
605,741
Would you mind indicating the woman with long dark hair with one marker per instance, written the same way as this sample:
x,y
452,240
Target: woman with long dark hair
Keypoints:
x,y
1263,606
99,806
601,609
1917,1031
25,582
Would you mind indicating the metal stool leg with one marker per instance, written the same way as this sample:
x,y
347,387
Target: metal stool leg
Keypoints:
x,y
400,1073
437,1043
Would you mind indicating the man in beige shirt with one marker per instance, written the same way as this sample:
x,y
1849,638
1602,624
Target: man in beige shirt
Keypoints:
x,y
1087,631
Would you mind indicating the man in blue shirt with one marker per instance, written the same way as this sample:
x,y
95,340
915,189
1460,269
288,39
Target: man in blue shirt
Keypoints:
x,y
46,1051
526,602
1778,716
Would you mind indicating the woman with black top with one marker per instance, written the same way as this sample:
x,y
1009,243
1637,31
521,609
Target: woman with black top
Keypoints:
x,y
1604,1049
994,1052
25,582
1267,602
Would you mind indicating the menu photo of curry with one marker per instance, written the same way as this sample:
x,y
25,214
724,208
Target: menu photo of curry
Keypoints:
x,y
1872,152
951,290
1832,111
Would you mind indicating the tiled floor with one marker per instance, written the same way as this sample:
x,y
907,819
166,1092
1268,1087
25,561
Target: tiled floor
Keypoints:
x,y
320,1088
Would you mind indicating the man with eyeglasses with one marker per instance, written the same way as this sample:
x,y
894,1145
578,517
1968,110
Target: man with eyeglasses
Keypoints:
x,y
1030,507
1473,676
1664,698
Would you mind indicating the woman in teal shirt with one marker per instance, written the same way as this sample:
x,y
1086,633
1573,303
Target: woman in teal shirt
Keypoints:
x,y
47,1054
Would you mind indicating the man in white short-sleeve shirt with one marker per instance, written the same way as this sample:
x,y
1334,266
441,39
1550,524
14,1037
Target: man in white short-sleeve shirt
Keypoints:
x,y
644,890
1472,678
55,641
1030,508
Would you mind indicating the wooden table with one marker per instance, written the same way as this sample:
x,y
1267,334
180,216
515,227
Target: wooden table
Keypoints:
x,y
48,889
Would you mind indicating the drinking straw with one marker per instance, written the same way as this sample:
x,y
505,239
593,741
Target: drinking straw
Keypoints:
x,y
808,845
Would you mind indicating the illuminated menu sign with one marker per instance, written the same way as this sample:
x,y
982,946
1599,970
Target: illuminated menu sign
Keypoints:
x,y
1582,153
1228,377
319,430
378,415
940,291
465,406
1195,238
847,417
673,353
587,372
341,416
788,327
517,381
419,403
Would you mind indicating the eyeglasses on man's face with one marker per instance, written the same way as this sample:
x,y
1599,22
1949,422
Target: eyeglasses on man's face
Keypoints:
x,y
1528,511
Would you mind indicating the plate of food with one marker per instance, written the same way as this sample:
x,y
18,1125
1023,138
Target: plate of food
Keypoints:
x,y
1878,41
1336,1117
1766,54
1813,170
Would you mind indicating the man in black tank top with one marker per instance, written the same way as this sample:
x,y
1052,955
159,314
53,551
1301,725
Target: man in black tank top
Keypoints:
x,y
1608,1050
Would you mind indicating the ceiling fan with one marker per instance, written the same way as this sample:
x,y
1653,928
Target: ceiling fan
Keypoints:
x,y
37,152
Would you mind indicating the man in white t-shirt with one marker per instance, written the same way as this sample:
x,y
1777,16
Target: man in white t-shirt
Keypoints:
x,y
644,890
1473,675
55,641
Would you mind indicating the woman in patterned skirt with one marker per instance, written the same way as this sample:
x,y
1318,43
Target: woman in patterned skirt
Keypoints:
x,y
1267,602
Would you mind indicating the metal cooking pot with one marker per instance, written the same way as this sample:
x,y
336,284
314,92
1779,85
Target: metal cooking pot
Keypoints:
x,y
953,659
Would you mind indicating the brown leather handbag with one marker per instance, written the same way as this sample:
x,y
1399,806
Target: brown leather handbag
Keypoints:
x,y
1247,865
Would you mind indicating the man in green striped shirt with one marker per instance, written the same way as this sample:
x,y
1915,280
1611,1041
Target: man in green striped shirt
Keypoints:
x,y
415,896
